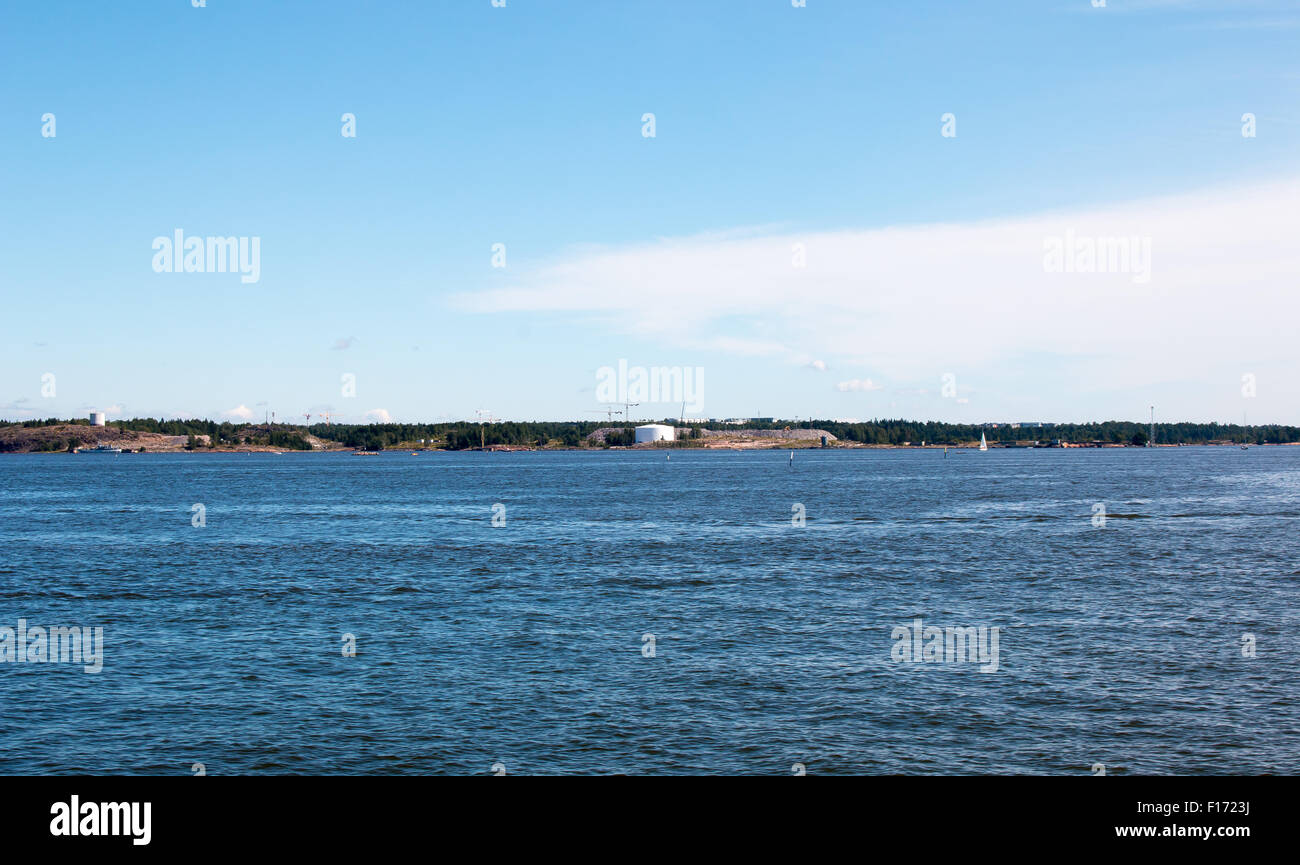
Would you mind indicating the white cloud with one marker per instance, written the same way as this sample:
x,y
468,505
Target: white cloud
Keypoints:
x,y
379,415
240,412
819,365
17,408
857,384
908,303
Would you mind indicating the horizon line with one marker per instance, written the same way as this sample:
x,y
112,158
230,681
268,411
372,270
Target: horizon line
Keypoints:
x,y
679,421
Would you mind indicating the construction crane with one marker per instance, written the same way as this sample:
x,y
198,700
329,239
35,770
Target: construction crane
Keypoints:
x,y
608,412
627,413
307,415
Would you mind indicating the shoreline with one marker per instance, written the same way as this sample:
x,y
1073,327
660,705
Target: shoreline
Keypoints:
x,y
69,437
972,448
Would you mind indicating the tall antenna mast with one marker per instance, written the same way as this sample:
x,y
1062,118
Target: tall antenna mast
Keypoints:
x,y
1151,439
482,436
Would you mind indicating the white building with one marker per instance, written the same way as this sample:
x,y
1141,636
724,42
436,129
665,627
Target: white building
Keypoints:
x,y
655,432
97,418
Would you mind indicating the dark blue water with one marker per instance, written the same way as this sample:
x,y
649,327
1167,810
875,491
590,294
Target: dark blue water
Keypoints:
x,y
522,644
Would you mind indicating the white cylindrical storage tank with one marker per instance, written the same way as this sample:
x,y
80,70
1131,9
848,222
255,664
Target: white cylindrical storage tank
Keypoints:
x,y
97,418
655,432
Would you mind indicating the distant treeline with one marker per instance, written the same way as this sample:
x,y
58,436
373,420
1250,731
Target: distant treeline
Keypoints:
x,y
469,434
895,432
458,436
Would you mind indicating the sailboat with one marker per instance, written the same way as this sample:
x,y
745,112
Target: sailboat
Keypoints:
x,y
984,445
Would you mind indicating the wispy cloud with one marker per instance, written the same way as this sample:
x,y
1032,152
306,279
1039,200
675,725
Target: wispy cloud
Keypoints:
x,y
856,385
17,407
904,304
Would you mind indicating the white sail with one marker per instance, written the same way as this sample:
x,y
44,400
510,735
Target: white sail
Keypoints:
x,y
984,445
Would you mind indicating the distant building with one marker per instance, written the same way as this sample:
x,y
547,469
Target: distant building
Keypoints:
x,y
1026,424
742,421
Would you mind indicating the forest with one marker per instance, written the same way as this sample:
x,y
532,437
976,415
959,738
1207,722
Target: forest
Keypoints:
x,y
463,435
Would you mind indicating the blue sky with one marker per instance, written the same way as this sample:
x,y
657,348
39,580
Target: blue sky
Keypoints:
x,y
775,126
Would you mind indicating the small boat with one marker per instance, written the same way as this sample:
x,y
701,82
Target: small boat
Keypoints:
x,y
1245,447
99,449
984,445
